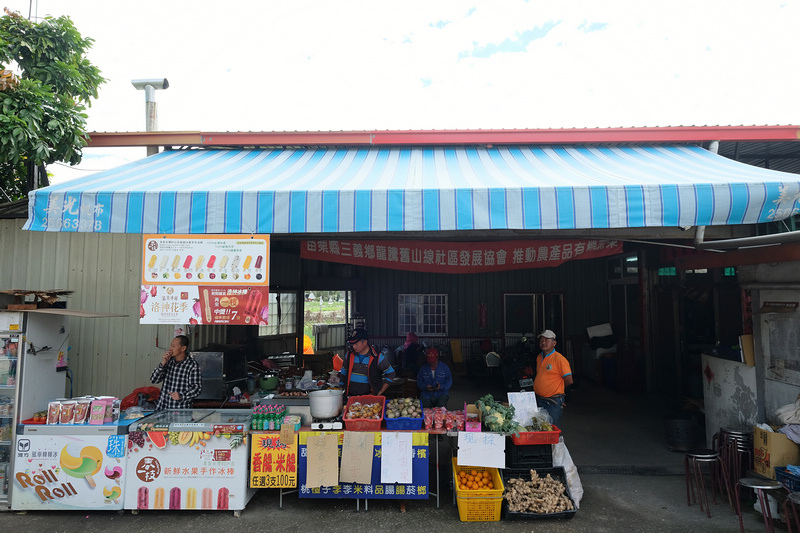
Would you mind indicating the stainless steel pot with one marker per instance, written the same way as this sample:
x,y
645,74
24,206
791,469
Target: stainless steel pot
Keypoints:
x,y
325,403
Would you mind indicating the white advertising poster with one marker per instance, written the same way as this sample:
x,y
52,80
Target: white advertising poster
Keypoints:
x,y
68,472
207,305
481,449
205,260
187,470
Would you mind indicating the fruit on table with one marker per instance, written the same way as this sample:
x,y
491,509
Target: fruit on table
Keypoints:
x,y
372,411
475,480
403,407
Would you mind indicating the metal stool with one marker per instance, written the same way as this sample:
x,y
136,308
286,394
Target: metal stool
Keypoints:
x,y
792,500
735,447
758,485
718,474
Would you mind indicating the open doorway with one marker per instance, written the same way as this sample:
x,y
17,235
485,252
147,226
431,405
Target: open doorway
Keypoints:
x,y
325,319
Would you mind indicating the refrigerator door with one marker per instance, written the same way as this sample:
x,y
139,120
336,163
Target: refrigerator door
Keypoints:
x,y
8,403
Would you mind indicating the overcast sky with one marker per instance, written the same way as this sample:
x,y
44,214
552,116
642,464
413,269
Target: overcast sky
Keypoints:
x,y
430,64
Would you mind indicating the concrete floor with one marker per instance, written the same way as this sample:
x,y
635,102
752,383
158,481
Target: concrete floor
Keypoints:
x,y
631,482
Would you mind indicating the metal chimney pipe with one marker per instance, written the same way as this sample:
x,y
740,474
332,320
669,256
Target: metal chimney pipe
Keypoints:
x,y
150,86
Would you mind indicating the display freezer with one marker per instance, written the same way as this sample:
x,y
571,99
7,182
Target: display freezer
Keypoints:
x,y
189,459
56,469
33,350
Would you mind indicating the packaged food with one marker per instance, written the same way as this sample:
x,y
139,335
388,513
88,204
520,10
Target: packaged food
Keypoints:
x,y
97,412
53,413
81,415
67,412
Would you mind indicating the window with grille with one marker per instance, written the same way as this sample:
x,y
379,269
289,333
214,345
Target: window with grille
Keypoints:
x,y
282,314
424,314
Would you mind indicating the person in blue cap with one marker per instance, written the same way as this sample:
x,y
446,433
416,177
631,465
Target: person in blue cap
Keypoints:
x,y
365,370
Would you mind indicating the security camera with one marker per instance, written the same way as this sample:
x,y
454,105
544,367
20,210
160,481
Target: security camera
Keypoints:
x,y
156,83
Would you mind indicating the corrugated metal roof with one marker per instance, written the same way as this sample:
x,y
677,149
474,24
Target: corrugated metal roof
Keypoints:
x,y
327,190
782,156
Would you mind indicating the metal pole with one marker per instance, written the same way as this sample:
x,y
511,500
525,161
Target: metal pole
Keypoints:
x,y
150,86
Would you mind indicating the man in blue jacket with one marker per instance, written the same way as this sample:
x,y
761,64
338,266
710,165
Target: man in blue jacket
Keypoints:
x,y
434,381
365,370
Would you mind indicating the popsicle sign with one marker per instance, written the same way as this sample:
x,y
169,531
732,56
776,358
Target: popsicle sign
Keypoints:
x,y
83,465
113,493
113,473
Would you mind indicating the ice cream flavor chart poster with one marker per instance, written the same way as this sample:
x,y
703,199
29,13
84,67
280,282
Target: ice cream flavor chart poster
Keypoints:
x,y
205,260
69,472
205,279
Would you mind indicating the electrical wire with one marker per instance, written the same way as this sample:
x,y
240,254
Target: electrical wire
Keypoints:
x,y
69,376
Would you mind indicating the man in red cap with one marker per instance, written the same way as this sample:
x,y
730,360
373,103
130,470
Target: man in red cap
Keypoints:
x,y
365,370
434,381
553,374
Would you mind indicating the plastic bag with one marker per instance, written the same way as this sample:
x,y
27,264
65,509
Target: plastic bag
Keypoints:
x,y
561,457
790,413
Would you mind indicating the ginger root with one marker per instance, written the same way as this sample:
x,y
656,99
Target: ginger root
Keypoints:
x,y
539,495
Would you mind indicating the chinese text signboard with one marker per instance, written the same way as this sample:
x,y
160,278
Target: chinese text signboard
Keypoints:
x,y
273,463
205,279
417,489
459,257
188,304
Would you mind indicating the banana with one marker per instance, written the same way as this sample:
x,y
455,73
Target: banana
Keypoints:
x,y
194,439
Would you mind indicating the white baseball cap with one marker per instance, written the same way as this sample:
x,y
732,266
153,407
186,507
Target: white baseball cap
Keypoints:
x,y
547,334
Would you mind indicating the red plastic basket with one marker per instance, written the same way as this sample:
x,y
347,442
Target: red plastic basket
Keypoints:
x,y
364,424
537,437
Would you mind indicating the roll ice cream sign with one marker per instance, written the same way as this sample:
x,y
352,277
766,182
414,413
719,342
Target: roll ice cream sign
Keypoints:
x,y
69,472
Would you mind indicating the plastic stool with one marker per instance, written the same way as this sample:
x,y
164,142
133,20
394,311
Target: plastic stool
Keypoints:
x,y
758,485
718,473
791,503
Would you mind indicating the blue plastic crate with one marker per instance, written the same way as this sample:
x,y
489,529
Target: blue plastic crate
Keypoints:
x,y
402,423
789,480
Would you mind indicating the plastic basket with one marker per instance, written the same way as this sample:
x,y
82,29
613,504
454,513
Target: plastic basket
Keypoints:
x,y
789,480
402,423
529,455
364,424
556,472
537,437
483,505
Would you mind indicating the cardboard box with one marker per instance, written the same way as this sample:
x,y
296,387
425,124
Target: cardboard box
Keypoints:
x,y
771,450
472,423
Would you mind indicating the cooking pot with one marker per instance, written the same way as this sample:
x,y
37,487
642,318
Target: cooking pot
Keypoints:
x,y
325,403
267,382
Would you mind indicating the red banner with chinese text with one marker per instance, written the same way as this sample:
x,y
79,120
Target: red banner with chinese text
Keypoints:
x,y
459,257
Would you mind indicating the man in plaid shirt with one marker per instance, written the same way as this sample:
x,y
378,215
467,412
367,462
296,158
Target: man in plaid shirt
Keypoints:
x,y
180,374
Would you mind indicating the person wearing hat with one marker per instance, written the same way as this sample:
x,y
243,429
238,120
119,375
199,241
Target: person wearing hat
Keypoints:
x,y
553,374
434,381
364,370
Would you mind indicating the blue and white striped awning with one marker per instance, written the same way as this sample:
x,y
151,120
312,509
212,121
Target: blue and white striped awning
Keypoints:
x,y
341,190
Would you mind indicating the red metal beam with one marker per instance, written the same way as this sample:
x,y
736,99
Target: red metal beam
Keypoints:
x,y
689,134
283,138
748,256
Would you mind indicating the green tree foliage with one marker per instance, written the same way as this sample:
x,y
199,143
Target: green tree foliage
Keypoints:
x,y
42,118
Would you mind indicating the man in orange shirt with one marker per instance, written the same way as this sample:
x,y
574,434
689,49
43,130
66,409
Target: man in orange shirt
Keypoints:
x,y
553,374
